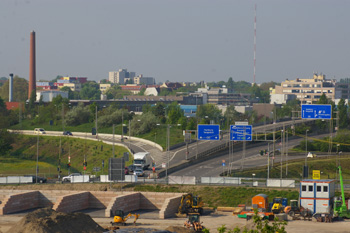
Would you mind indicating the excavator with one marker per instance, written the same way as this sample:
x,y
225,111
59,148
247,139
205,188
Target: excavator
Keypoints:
x,y
193,221
340,209
191,204
120,219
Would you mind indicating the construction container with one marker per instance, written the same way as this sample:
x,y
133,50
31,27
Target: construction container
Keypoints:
x,y
317,188
317,195
260,201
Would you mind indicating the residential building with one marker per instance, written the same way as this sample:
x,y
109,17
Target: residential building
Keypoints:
x,y
144,80
134,89
104,87
72,86
309,90
120,76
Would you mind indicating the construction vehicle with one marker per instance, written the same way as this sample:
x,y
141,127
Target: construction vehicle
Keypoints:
x,y
277,206
295,209
340,209
191,204
120,219
193,221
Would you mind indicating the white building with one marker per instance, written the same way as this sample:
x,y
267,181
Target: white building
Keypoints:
x,y
120,76
49,95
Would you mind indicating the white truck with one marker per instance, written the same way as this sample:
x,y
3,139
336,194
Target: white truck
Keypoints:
x,y
142,159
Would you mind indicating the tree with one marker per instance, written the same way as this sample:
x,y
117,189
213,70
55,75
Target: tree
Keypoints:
x,y
90,91
230,83
342,114
116,92
210,112
20,90
78,115
144,123
174,113
70,92
6,139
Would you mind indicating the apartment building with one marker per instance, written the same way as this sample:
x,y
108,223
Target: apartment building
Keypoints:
x,y
144,80
121,76
308,90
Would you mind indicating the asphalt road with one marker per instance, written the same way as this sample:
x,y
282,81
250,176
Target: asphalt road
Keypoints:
x,y
213,167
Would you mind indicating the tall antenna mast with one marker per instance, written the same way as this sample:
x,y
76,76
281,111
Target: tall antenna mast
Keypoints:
x,y
254,42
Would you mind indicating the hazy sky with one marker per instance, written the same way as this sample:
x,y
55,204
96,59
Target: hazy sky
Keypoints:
x,y
177,40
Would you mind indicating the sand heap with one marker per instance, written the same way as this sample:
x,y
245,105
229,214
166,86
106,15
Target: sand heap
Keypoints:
x,y
47,220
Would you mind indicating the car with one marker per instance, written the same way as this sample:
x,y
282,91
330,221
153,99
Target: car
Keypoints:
x,y
38,179
68,133
311,155
126,171
69,177
138,171
39,131
131,168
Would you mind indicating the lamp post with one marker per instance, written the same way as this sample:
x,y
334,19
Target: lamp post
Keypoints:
x,y
306,147
113,140
253,178
37,159
96,122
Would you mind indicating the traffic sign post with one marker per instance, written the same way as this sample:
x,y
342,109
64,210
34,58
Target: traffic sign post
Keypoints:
x,y
208,132
241,133
316,111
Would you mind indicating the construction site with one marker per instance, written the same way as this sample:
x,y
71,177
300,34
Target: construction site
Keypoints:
x,y
72,208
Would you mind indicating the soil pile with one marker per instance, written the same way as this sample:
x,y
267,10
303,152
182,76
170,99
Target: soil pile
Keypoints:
x,y
178,229
47,220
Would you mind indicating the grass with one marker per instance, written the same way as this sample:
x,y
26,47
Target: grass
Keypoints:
x,y
327,166
157,135
214,196
22,158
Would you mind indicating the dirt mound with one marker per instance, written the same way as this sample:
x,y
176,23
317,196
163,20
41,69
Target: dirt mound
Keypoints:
x,y
47,220
178,229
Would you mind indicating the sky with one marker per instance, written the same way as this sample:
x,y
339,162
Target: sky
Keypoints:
x,y
177,40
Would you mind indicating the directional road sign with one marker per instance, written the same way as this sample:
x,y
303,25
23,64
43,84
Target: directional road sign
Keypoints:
x,y
208,132
316,111
241,133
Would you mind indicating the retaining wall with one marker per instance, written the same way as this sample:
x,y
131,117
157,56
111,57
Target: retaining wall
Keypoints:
x,y
19,202
72,202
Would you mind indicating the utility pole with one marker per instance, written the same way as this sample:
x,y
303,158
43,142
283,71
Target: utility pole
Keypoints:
x,y
113,140
287,155
122,139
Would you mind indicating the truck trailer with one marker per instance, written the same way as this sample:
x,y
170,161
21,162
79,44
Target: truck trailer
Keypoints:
x,y
143,159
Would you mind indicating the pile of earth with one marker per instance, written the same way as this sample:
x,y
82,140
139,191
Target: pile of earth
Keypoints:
x,y
170,229
47,220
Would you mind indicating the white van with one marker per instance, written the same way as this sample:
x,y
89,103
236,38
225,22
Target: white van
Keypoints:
x,y
39,131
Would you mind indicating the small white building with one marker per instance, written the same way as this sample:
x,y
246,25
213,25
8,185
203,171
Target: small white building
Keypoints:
x,y
49,95
317,195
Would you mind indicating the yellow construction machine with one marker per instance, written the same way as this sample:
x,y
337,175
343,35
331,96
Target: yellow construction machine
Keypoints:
x,y
193,221
120,218
191,204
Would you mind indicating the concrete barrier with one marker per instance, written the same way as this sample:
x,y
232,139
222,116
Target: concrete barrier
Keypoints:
x,y
80,179
182,180
16,180
221,180
280,183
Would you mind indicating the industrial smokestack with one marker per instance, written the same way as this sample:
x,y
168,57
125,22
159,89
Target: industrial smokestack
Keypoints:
x,y
11,88
32,72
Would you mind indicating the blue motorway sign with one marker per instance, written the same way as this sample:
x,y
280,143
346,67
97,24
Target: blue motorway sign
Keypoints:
x,y
241,133
316,111
208,132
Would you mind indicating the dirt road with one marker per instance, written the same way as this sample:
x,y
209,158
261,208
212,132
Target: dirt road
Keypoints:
x,y
212,222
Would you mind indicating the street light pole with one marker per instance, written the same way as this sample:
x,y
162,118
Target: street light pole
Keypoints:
x,y
113,139
37,159
306,148
96,123
167,153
